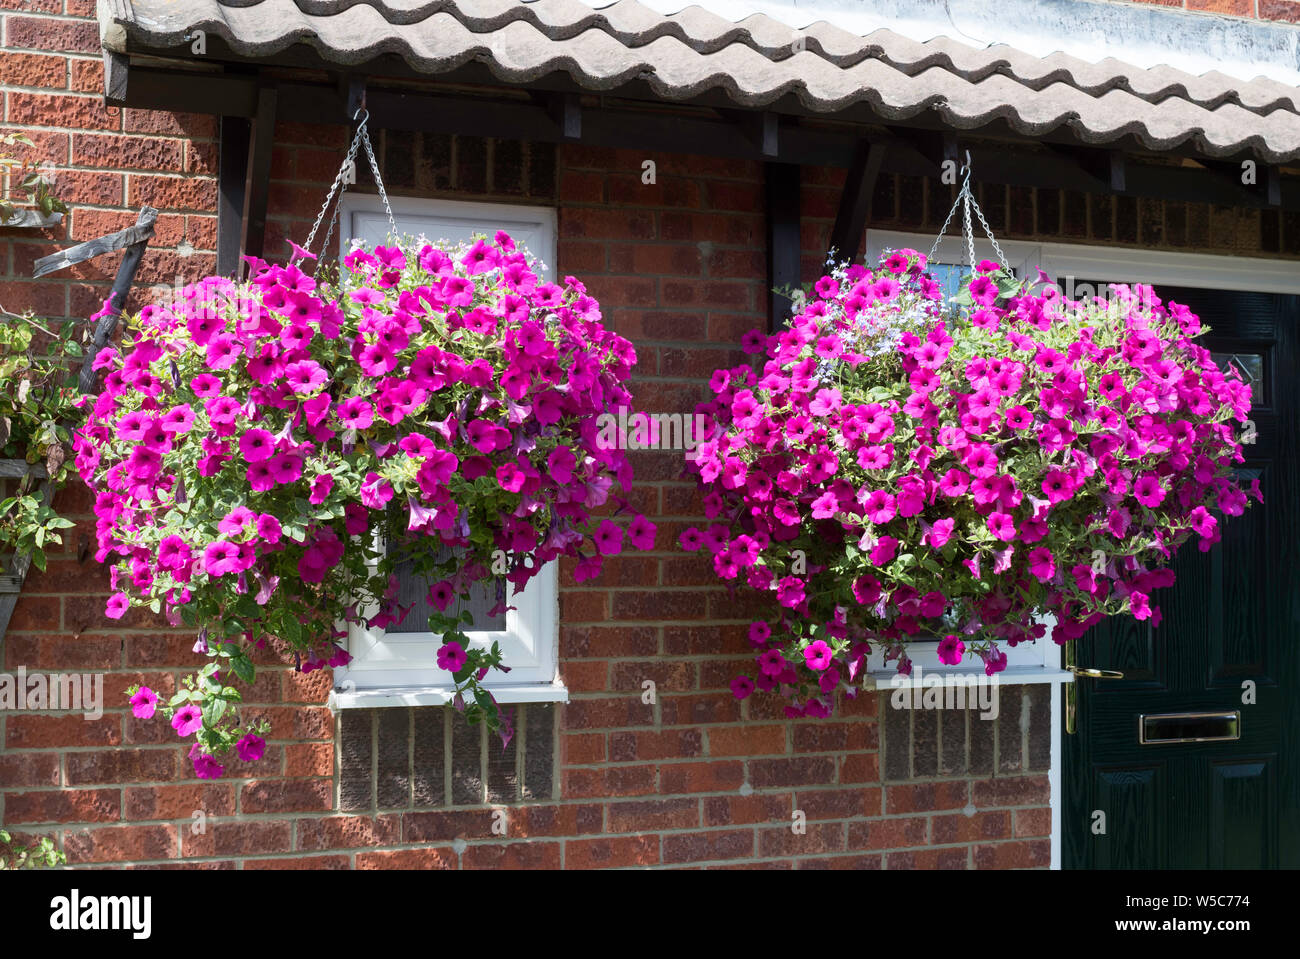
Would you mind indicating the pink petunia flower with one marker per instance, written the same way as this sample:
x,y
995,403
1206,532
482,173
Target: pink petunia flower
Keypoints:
x,y
250,748
452,657
608,538
143,703
257,445
187,720
951,650
818,655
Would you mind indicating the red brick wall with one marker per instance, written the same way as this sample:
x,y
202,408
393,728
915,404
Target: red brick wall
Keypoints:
x,y
694,778
108,162
1286,10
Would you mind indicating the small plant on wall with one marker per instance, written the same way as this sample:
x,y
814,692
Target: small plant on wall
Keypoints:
x,y
38,405
43,855
893,470
266,454
31,181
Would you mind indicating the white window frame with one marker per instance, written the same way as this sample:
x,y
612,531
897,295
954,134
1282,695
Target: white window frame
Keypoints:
x,y
400,669
1117,265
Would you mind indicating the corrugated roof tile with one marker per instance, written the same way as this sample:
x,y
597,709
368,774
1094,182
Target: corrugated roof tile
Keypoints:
x,y
756,61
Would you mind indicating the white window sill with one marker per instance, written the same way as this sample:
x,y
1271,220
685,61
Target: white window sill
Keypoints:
x,y
1011,676
555,692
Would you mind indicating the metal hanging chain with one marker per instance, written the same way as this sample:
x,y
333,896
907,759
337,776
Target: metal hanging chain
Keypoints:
x,y
329,234
362,137
379,181
966,200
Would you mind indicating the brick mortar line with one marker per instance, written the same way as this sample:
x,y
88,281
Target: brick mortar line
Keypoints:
x,y
77,828
240,859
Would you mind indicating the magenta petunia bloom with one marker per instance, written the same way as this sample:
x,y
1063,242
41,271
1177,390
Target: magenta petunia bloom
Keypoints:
x,y
772,662
257,445
1042,564
144,703
375,491
951,650
187,720
608,538
305,377
220,558
355,413
1148,491
117,606
285,468
452,657
312,565
440,595
205,765
742,687
818,655
320,488
268,529
250,748
1019,418
588,567
642,533
178,419
235,521
1002,526
983,291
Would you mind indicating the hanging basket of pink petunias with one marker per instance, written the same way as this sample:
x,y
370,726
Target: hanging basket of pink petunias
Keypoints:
x,y
895,469
266,454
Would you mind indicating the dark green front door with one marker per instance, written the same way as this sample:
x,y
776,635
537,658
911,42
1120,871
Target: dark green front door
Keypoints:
x,y
1230,634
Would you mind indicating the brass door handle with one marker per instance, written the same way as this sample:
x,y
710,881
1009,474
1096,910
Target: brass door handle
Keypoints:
x,y
1071,694
1096,673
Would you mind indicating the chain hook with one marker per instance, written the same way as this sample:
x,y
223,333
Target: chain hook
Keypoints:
x,y
966,202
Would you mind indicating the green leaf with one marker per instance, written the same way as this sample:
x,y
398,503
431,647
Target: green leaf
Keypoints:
x,y
242,667
214,710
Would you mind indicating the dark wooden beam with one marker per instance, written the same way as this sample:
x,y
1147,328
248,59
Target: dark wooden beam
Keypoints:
x,y
784,245
1231,190
1090,169
922,152
855,202
356,98
232,181
913,151
1118,171
191,91
258,180
761,129
116,72
565,110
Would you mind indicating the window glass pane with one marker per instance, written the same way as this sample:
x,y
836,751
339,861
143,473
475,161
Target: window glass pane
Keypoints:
x,y
415,589
1250,367
949,276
